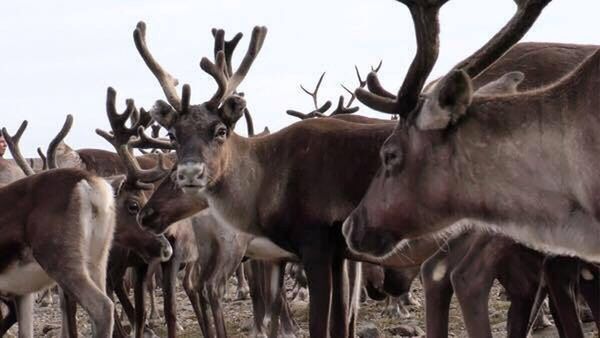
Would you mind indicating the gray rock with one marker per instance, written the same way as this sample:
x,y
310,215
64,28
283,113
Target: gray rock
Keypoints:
x,y
369,330
406,331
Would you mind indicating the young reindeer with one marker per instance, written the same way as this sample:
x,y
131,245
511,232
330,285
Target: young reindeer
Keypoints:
x,y
137,248
64,239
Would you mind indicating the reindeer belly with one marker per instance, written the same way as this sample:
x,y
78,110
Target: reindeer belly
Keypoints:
x,y
23,277
265,249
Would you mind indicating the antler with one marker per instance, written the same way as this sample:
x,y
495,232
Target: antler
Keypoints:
x,y
427,29
15,150
227,84
318,111
120,138
43,158
143,141
228,47
51,153
166,80
344,109
527,13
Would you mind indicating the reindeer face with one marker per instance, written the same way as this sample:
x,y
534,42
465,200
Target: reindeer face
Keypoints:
x,y
404,197
128,201
167,205
201,135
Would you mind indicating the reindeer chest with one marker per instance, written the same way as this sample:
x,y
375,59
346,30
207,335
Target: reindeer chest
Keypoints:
x,y
22,275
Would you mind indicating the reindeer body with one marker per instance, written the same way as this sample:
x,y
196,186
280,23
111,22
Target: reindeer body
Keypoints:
x,y
63,239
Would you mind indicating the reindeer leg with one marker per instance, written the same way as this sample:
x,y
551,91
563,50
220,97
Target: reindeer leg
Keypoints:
x,y
472,280
561,273
69,314
25,314
84,282
518,315
288,325
318,273
119,290
340,298
139,289
10,319
355,283
192,293
91,298
590,289
438,293
214,297
276,282
170,269
242,287
151,287
257,296
204,305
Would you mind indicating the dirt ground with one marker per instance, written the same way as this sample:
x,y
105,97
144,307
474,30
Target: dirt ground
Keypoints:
x,y
238,317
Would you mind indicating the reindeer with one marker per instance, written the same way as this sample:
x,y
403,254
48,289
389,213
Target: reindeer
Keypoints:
x,y
128,198
470,262
62,240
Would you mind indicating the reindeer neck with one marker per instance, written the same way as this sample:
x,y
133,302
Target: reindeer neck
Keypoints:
x,y
233,197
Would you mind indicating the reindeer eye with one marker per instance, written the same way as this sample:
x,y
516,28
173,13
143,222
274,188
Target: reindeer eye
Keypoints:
x,y
221,133
172,137
133,208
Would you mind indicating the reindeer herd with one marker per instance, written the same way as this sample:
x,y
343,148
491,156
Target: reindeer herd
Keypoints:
x,y
487,173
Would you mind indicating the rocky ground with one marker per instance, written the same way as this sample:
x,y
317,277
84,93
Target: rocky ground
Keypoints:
x,y
238,316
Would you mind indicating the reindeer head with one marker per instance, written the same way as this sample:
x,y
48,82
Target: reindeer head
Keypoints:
x,y
409,194
131,189
201,133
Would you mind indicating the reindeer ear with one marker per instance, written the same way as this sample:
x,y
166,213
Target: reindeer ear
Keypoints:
x,y
163,114
117,182
447,102
232,109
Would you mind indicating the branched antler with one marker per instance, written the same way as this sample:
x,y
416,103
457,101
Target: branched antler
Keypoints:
x,y
425,18
228,81
120,139
318,111
166,80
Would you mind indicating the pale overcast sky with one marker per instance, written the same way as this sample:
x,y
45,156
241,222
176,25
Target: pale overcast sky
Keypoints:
x,y
58,57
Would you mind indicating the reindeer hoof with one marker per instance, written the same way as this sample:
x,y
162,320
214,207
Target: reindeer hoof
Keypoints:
x,y
243,293
148,333
408,300
586,314
178,327
541,322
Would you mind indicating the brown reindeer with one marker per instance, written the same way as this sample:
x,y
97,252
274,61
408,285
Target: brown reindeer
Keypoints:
x,y
63,239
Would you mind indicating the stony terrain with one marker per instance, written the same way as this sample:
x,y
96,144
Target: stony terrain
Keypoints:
x,y
238,316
